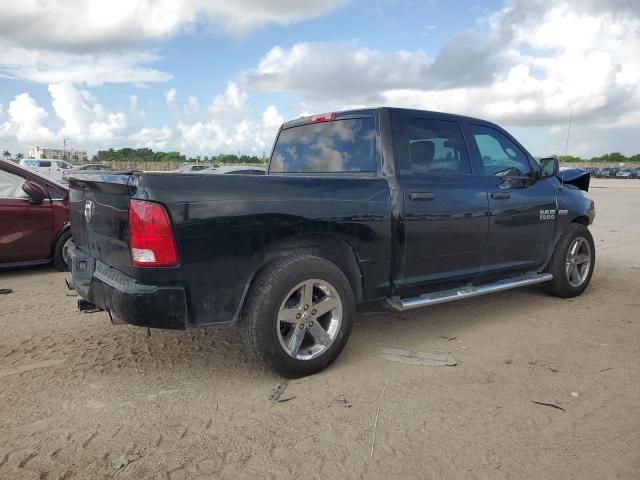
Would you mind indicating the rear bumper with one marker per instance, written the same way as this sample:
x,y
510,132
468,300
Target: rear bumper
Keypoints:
x,y
123,298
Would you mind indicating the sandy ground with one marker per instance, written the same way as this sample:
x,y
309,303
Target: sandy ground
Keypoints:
x,y
80,398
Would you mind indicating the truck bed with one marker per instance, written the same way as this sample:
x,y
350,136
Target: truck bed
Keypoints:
x,y
226,226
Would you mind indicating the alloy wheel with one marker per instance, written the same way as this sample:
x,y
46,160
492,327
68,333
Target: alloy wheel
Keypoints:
x,y
309,319
578,262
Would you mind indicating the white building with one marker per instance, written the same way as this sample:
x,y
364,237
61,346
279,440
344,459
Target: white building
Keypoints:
x,y
74,156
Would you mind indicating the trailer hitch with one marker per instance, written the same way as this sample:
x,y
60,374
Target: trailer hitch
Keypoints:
x,y
87,307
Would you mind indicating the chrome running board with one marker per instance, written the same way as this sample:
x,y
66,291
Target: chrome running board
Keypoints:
x,y
402,304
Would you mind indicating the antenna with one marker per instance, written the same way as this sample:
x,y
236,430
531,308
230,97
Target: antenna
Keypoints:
x,y
566,146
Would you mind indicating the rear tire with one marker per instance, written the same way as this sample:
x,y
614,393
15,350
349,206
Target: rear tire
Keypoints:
x,y
298,315
59,251
572,263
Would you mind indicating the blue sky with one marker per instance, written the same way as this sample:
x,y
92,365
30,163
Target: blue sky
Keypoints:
x,y
214,77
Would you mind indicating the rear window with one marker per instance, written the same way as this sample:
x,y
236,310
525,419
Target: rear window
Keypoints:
x,y
328,147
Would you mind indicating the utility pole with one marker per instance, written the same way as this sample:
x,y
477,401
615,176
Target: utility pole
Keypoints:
x,y
566,146
65,140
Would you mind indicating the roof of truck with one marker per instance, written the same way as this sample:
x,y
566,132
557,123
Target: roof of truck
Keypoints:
x,y
343,114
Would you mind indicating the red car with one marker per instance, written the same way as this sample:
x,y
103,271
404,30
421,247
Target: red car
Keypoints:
x,y
34,218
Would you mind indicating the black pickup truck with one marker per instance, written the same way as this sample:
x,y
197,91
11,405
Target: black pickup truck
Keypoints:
x,y
407,207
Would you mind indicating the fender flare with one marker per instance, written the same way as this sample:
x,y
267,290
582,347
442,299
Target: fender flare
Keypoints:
x,y
346,259
578,219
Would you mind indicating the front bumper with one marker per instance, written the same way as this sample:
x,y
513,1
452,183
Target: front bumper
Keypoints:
x,y
126,300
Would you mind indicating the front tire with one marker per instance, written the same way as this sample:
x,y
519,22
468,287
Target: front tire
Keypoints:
x,y
60,251
298,315
572,262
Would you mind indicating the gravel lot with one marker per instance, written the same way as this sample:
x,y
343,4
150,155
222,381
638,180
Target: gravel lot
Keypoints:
x,y
80,398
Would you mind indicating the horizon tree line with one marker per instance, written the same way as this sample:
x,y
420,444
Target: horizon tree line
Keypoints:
x,y
148,155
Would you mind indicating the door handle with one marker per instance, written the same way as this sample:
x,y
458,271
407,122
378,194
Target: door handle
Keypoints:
x,y
421,196
500,195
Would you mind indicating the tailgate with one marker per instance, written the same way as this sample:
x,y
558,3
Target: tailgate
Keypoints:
x,y
99,216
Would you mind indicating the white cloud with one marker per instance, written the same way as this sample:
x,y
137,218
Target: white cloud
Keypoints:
x,y
338,70
81,25
84,119
99,41
526,66
25,121
271,118
232,100
229,126
47,66
171,96
190,108
70,105
154,138
535,61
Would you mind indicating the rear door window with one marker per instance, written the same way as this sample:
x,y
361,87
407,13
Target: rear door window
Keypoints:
x,y
328,147
436,147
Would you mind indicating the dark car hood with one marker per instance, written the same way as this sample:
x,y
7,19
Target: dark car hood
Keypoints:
x,y
576,177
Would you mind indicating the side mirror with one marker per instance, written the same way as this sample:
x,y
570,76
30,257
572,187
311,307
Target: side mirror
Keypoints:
x,y
549,167
35,192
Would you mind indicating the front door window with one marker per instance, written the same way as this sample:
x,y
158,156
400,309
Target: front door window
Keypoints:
x,y
499,155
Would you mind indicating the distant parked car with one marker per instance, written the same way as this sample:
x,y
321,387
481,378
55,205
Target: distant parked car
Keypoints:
x,y
235,170
34,216
627,173
53,169
191,168
90,167
608,172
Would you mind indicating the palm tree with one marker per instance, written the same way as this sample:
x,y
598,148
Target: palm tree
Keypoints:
x,y
19,156
6,154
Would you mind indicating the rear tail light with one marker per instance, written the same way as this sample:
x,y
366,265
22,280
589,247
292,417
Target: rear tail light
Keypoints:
x,y
323,117
150,235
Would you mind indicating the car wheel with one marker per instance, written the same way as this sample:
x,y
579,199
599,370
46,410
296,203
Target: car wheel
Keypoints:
x,y
60,251
298,315
572,262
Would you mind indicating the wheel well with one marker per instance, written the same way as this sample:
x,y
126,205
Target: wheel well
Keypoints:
x,y
329,247
584,220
